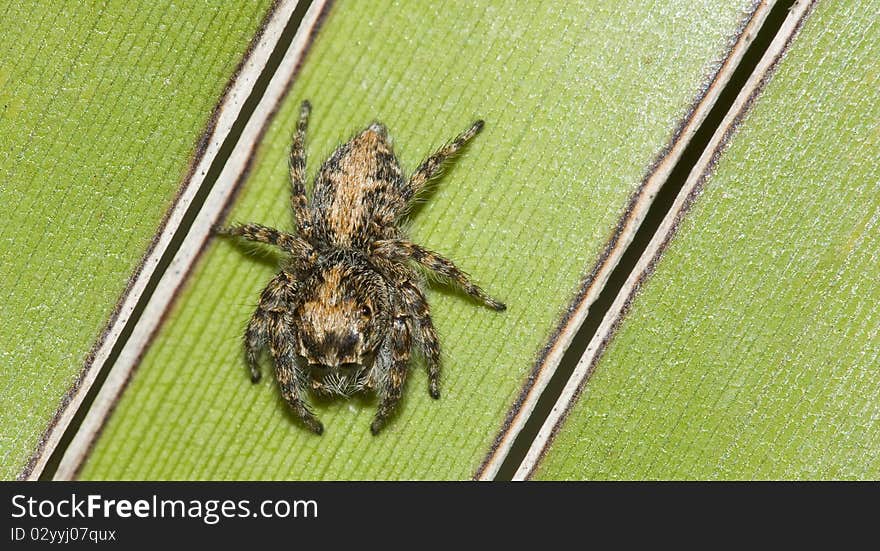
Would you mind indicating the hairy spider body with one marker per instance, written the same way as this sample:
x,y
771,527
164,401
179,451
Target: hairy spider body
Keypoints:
x,y
347,307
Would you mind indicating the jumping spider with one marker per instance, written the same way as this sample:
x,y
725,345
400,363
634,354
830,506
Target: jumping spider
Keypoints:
x,y
348,305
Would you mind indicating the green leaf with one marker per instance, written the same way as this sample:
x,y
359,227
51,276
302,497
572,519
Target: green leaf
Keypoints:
x,y
580,100
752,350
101,113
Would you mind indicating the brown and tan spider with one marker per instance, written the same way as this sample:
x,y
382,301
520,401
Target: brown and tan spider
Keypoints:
x,y
348,305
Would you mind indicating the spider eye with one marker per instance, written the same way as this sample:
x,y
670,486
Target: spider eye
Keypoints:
x,y
366,311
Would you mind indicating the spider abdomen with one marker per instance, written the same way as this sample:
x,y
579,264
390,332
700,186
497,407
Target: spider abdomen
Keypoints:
x,y
357,190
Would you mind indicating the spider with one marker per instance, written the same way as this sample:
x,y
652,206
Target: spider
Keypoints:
x,y
348,305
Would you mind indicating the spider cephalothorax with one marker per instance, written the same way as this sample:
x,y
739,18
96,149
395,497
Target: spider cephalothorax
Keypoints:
x,y
347,307
342,317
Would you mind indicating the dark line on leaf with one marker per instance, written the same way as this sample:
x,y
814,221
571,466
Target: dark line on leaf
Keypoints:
x,y
658,209
187,220
775,21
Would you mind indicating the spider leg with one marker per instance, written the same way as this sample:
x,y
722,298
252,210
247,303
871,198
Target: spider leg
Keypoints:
x,y
433,165
288,374
297,162
391,386
426,335
293,244
254,340
407,250
267,319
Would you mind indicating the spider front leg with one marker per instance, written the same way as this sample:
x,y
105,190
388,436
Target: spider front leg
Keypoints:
x,y
254,340
392,385
402,249
426,336
267,319
297,162
288,373
432,166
